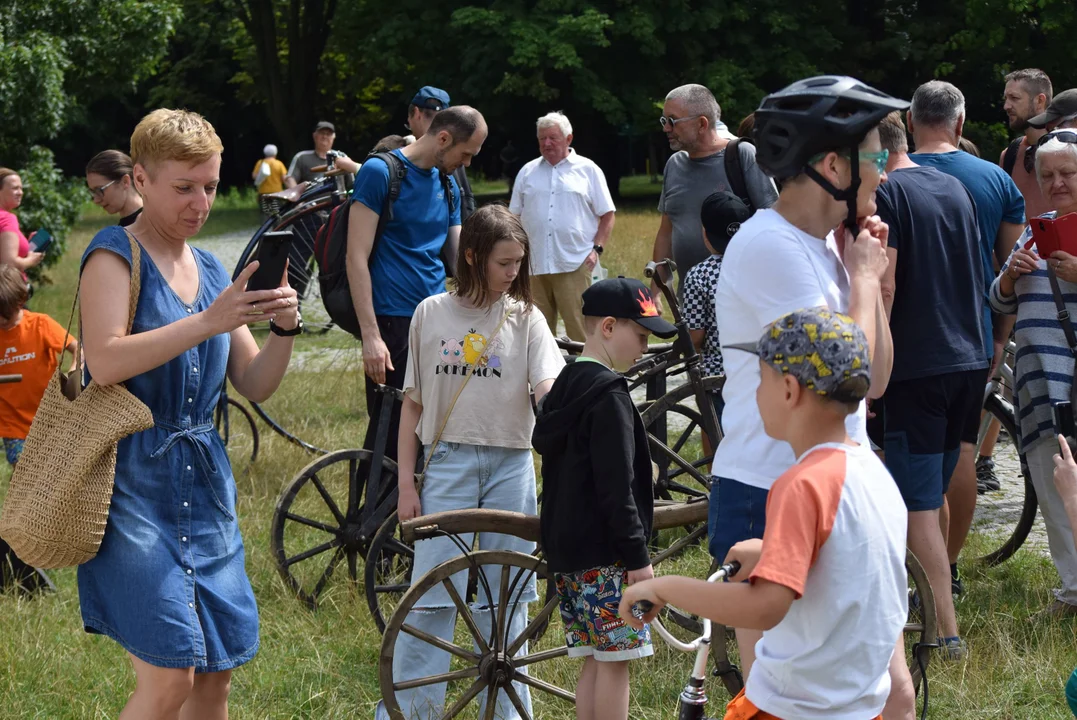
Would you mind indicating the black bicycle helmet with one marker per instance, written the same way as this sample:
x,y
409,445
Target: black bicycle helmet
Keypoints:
x,y
817,115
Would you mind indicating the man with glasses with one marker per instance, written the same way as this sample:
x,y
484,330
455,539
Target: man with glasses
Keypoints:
x,y
690,119
1028,94
427,103
936,121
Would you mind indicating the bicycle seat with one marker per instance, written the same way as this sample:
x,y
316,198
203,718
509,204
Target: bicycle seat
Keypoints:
x,y
292,194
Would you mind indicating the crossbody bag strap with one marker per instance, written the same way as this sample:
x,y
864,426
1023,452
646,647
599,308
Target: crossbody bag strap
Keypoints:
x,y
1063,313
460,390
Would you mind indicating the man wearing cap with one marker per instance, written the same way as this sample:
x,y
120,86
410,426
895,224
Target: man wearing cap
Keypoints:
x,y
1028,94
427,103
567,211
269,172
303,163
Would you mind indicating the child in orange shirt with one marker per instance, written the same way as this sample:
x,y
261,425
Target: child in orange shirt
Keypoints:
x,y
29,344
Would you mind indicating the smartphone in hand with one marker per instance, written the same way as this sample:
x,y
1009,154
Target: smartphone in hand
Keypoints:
x,y
272,257
42,240
1063,417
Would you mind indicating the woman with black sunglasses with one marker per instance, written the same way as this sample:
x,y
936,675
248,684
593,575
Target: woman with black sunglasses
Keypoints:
x,y
1045,365
108,176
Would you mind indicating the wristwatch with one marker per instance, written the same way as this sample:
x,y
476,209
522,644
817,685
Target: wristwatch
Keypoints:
x,y
598,249
297,330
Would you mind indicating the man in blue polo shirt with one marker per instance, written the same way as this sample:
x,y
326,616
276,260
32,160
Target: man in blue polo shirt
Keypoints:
x,y
936,120
406,267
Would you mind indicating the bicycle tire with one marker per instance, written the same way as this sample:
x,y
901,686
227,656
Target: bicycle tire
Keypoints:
x,y
303,221
1002,410
223,421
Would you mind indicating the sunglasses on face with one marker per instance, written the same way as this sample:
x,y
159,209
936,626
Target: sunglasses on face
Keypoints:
x,y
99,192
669,122
878,159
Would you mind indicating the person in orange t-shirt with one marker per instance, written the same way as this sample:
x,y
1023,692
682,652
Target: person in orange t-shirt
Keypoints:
x,y
29,344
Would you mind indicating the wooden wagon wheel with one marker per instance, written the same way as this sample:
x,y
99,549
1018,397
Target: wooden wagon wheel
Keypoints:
x,y
319,521
493,665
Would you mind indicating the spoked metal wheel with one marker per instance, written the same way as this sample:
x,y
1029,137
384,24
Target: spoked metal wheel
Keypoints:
x,y
387,573
682,460
921,628
238,431
1004,516
484,662
319,522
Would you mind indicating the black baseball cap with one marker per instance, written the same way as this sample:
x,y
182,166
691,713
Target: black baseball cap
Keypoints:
x,y
1065,103
721,215
431,98
626,299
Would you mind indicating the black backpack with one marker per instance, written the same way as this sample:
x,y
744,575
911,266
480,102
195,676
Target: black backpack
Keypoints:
x,y
331,245
734,172
1010,158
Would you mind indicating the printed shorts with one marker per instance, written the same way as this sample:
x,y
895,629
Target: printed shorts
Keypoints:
x,y
13,449
589,600
741,708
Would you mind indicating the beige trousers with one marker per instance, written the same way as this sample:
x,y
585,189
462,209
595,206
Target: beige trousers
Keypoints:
x,y
563,293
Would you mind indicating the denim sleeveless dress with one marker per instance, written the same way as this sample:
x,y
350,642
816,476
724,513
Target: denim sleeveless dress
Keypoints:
x,y
169,583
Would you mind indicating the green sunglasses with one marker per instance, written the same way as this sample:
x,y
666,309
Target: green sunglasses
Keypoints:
x,y
878,159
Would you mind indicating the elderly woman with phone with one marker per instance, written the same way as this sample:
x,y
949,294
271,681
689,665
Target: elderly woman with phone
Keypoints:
x,y
15,248
169,583
1045,365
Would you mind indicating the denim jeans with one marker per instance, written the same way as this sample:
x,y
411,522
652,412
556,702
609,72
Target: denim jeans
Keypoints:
x,y
461,477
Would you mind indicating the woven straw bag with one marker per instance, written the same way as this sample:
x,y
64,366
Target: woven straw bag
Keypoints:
x,y
57,507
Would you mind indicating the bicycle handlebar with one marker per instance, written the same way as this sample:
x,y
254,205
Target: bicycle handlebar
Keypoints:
x,y
643,607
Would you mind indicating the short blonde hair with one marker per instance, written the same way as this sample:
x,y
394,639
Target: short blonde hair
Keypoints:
x,y
174,135
13,292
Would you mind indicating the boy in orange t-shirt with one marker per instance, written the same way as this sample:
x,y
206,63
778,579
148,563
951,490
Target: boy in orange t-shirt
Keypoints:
x,y
29,345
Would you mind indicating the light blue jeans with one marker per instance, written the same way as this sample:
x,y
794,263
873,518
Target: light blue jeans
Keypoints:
x,y
462,477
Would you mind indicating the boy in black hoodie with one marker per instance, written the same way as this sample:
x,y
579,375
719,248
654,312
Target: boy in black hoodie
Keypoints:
x,y
597,497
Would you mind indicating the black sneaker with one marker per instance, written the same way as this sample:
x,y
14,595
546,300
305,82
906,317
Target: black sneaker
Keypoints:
x,y
986,479
956,587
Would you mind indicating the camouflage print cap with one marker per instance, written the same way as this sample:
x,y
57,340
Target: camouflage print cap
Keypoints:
x,y
825,351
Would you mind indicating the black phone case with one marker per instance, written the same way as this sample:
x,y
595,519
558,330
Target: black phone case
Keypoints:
x,y
272,255
1063,417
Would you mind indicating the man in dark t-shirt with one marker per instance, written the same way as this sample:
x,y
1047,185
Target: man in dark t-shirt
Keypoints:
x,y
934,295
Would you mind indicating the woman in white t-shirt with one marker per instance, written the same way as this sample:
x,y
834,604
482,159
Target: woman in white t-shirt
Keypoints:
x,y
486,328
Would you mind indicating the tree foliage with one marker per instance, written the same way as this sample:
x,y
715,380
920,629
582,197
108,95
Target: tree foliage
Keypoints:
x,y
56,58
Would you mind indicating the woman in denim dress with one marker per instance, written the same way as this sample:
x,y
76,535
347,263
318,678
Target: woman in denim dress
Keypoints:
x,y
169,583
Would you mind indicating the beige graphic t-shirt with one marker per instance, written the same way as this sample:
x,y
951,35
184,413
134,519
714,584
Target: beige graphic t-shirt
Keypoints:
x,y
494,409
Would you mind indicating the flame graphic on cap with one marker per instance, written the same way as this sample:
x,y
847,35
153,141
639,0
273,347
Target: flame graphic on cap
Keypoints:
x,y
647,307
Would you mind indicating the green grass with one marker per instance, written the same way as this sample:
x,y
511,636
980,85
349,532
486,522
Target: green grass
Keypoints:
x,y
324,664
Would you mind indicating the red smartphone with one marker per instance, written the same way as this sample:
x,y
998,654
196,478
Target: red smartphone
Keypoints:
x,y
1045,235
1053,235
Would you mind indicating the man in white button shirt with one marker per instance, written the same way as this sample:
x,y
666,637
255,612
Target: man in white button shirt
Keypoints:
x,y
566,209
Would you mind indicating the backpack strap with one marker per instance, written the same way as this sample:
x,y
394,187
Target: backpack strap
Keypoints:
x,y
450,196
1010,158
397,172
734,172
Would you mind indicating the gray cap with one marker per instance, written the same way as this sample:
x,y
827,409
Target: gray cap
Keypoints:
x,y
1065,103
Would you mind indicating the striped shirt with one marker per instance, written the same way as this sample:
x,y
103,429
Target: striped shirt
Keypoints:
x,y
1043,371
